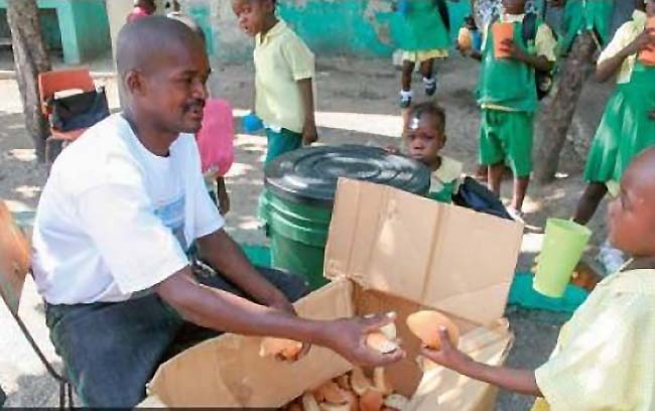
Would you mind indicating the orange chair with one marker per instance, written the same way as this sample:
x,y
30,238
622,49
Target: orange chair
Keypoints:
x,y
14,267
52,82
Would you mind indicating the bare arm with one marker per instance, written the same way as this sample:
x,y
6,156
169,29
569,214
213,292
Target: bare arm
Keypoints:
x,y
309,133
540,63
223,254
519,381
222,311
608,68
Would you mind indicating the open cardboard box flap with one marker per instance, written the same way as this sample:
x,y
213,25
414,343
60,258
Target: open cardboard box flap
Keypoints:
x,y
387,250
445,257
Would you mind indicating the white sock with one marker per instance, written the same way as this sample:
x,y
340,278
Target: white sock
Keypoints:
x,y
429,81
406,94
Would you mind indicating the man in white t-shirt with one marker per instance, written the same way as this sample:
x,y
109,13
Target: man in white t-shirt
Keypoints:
x,y
116,217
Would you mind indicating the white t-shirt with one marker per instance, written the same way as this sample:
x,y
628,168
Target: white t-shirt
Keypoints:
x,y
114,219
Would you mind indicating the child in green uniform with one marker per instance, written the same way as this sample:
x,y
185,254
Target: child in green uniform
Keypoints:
x,y
285,69
605,354
585,15
425,136
424,38
626,128
508,98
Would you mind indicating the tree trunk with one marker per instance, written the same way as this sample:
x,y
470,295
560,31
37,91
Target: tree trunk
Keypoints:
x,y
30,59
558,114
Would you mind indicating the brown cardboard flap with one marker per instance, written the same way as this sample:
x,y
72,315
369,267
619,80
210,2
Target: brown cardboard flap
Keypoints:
x,y
229,372
441,256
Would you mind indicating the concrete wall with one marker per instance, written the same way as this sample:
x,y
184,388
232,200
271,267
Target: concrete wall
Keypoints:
x,y
353,27
81,25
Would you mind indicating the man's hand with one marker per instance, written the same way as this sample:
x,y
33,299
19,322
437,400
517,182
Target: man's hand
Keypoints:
x,y
448,356
347,337
309,133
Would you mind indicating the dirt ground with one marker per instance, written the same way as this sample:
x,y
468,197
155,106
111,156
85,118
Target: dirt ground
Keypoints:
x,y
357,104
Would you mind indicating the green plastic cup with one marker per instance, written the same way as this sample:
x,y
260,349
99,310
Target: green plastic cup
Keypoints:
x,y
563,246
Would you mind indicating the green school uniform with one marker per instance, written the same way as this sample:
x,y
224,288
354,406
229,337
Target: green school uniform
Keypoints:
x,y
422,28
582,15
638,130
446,180
508,97
281,142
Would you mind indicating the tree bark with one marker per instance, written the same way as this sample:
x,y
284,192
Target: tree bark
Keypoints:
x,y
30,59
558,114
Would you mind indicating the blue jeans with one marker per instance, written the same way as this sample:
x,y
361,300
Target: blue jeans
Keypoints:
x,y
111,350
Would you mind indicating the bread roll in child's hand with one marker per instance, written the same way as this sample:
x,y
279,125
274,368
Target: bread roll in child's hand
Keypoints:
x,y
426,325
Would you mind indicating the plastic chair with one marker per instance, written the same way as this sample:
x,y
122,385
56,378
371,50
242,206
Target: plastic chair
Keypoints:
x,y
14,267
51,82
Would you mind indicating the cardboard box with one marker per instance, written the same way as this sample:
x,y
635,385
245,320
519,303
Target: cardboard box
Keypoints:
x,y
387,251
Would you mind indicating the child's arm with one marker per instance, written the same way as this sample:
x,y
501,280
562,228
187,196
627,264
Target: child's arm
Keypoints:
x,y
540,63
309,132
607,68
222,196
519,381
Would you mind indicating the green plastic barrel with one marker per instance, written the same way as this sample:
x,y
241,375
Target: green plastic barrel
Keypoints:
x,y
300,186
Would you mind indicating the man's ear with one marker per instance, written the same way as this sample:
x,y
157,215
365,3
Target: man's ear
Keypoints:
x,y
134,82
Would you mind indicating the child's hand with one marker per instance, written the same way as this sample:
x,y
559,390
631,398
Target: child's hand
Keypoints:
x,y
309,133
514,50
642,42
224,202
448,356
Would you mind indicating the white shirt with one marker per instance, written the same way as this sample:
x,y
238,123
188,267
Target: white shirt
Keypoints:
x,y
115,219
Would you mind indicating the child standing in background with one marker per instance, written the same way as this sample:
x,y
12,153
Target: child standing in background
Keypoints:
x,y
605,354
215,144
626,128
507,95
285,70
425,136
425,37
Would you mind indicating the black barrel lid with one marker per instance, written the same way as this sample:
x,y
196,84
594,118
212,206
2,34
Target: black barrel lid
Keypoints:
x,y
309,175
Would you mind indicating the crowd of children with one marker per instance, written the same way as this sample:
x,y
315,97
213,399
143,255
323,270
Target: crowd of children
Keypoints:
x,y
606,350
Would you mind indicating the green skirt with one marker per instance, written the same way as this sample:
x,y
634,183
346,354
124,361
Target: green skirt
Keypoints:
x,y
422,28
601,161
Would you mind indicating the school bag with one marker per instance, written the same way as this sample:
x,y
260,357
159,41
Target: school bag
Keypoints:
x,y
473,195
544,79
78,111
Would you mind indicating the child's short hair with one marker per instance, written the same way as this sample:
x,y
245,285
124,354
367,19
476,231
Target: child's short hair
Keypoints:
x,y
433,109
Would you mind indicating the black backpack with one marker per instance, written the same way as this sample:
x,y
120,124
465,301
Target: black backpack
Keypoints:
x,y
477,197
544,79
78,111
